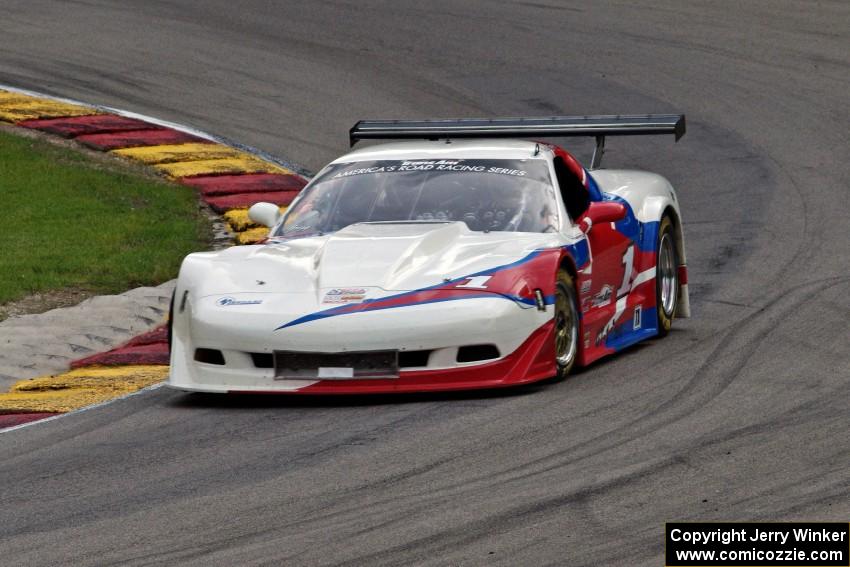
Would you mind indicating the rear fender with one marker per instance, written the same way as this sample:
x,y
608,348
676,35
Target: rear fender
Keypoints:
x,y
651,197
653,210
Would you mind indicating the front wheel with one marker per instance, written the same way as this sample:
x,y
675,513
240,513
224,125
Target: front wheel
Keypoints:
x,y
666,276
566,324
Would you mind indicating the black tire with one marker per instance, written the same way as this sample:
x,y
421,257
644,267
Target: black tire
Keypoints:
x,y
566,319
666,275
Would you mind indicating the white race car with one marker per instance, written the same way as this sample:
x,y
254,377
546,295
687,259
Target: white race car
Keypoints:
x,y
462,258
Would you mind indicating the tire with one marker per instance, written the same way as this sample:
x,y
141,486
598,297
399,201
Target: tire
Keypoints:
x,y
566,320
666,276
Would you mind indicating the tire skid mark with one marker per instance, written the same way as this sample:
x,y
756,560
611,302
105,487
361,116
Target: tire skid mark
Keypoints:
x,y
317,451
509,517
752,324
708,381
540,510
264,536
527,514
802,243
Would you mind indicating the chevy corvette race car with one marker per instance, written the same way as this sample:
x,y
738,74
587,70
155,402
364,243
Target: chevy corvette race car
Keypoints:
x,y
462,257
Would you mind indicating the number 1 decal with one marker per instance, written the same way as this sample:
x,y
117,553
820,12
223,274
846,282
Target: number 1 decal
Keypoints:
x,y
628,266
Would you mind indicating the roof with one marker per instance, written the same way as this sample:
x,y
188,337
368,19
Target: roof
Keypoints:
x,y
442,149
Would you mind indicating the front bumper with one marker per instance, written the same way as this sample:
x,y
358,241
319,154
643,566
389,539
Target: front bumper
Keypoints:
x,y
523,337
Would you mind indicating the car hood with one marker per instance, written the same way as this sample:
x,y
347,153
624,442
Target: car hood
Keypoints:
x,y
402,256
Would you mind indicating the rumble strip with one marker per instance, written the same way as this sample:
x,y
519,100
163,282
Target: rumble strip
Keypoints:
x,y
228,177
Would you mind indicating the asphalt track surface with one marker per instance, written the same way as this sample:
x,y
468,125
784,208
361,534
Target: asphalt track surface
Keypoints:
x,y
741,413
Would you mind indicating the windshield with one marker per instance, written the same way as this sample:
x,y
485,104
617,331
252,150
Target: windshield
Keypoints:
x,y
487,194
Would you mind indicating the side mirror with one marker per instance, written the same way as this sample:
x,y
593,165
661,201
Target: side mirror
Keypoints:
x,y
601,211
266,214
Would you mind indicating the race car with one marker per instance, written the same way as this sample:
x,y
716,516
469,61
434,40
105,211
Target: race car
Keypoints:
x,y
467,255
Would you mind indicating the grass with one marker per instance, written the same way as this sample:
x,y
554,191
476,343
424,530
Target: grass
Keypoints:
x,y
71,221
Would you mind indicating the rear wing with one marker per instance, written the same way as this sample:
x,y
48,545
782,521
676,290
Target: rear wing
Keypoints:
x,y
556,126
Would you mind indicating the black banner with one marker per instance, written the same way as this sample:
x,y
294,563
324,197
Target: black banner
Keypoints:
x,y
800,544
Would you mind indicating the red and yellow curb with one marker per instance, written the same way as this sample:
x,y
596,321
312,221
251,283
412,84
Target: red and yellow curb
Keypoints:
x,y
79,388
147,348
8,420
228,179
17,107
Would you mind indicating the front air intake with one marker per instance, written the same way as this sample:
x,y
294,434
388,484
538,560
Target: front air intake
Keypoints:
x,y
413,358
476,353
209,356
262,359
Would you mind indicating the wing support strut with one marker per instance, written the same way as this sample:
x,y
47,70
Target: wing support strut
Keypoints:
x,y
597,152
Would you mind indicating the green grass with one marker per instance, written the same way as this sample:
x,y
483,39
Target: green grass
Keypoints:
x,y
70,221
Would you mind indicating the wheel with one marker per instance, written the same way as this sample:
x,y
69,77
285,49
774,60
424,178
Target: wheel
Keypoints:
x,y
666,276
566,324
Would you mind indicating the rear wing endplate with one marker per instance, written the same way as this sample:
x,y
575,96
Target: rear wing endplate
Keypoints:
x,y
556,126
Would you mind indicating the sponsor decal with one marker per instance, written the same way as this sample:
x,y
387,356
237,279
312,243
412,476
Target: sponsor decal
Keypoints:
x,y
585,286
228,301
456,165
603,298
345,295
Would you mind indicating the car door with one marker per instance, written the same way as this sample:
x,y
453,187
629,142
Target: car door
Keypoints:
x,y
609,278
604,283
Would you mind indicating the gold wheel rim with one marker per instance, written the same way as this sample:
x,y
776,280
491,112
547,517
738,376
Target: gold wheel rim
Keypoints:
x,y
566,330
